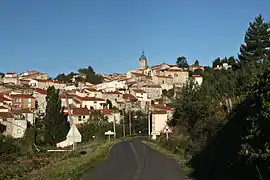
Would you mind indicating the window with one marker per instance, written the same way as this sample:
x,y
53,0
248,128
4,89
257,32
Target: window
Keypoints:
x,y
175,75
80,118
29,100
83,117
95,101
118,95
17,100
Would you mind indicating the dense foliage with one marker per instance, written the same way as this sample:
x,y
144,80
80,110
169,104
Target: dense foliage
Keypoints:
x,y
56,126
230,110
91,76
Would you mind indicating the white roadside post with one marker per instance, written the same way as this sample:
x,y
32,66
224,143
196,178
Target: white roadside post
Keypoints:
x,y
167,130
109,133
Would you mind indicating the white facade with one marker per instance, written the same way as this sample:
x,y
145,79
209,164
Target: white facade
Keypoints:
x,y
111,86
159,122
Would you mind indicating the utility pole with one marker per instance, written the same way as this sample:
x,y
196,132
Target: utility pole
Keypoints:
x,y
149,120
124,128
114,131
129,122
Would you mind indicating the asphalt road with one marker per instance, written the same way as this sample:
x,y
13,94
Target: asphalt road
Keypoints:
x,y
135,161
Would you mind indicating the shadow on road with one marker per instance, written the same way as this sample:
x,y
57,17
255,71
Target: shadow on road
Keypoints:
x,y
220,159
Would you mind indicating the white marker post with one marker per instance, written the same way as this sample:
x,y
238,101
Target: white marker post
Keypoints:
x,y
167,130
109,133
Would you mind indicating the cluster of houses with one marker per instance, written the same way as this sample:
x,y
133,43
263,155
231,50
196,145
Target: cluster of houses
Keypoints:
x,y
23,97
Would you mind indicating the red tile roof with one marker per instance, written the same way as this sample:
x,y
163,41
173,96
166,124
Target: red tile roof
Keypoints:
x,y
90,89
165,77
131,83
138,91
41,91
162,107
129,97
196,76
22,110
138,74
3,107
2,99
6,115
152,86
87,98
79,111
22,96
115,92
174,70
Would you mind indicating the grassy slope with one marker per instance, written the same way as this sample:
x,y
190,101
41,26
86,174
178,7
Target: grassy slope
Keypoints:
x,y
75,166
170,154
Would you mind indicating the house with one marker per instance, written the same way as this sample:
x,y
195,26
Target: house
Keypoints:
x,y
15,124
153,91
26,113
114,97
111,86
23,100
40,96
79,76
161,114
180,76
44,84
79,115
197,79
6,100
92,92
90,102
225,66
32,74
141,95
11,77
193,68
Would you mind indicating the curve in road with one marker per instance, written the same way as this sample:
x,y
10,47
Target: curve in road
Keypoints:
x,y
133,160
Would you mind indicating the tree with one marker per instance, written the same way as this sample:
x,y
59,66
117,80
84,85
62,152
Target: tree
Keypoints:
x,y
91,77
224,60
231,61
196,63
216,62
257,42
182,62
2,74
109,103
56,127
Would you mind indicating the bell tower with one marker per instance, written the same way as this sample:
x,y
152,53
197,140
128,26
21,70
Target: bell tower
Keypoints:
x,y
142,62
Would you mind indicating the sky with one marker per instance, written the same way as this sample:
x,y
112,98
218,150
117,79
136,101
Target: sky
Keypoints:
x,y
60,36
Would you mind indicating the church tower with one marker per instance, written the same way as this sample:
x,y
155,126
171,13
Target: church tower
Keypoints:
x,y
142,62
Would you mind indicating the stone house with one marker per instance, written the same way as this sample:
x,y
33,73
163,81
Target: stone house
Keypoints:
x,y
11,77
114,97
153,91
92,92
23,100
34,75
160,80
26,113
40,95
16,125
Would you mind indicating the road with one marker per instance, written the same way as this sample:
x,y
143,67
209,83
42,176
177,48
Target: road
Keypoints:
x,y
133,160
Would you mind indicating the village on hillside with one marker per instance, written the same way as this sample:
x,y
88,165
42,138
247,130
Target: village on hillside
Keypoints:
x,y
147,89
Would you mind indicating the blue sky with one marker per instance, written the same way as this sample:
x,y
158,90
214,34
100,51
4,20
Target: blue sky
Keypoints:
x,y
58,36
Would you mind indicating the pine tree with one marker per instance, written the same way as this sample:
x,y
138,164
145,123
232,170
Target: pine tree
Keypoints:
x,y
182,62
56,127
257,42
216,62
